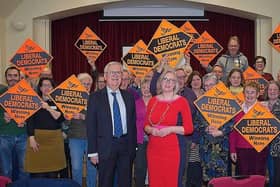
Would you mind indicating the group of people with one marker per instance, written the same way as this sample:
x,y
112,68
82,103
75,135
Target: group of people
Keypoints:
x,y
150,126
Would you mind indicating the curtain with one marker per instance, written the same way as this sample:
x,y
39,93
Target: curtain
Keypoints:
x,y
69,60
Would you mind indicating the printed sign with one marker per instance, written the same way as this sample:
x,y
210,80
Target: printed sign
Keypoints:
x,y
240,98
274,40
169,40
250,75
218,105
139,60
258,127
20,102
90,44
70,96
31,59
205,48
188,28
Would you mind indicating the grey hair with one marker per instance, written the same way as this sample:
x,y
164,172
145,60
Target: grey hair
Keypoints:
x,y
106,68
210,76
168,70
82,76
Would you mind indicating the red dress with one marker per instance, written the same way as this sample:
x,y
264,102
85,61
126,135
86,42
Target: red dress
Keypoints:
x,y
164,154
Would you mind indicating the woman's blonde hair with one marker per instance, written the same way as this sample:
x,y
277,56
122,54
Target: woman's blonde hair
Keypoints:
x,y
166,71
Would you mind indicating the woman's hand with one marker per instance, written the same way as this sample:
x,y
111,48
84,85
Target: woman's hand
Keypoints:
x,y
214,131
233,157
163,63
45,105
165,131
33,144
154,131
79,116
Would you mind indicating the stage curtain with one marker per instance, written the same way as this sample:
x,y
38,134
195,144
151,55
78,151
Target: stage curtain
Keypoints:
x,y
69,60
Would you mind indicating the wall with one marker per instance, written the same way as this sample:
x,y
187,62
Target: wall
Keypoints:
x,y
2,48
28,10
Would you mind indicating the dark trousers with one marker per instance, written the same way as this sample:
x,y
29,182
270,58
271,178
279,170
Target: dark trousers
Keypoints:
x,y
140,165
276,178
119,161
194,175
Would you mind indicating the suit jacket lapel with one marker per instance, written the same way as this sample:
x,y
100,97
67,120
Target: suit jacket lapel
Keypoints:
x,y
108,114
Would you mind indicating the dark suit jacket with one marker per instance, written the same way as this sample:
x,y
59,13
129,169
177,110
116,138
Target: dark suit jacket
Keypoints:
x,y
99,123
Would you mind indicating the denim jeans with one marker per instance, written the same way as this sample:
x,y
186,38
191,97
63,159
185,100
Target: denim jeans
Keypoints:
x,y
13,147
78,149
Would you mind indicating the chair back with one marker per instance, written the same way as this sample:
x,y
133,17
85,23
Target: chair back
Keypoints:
x,y
238,181
4,181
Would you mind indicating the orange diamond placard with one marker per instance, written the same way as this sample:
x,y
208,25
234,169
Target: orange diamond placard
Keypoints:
x,y
188,28
70,96
90,44
258,126
20,102
31,59
250,75
218,105
205,48
274,39
139,60
169,40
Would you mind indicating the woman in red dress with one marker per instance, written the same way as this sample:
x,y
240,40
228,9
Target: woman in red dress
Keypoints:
x,y
168,118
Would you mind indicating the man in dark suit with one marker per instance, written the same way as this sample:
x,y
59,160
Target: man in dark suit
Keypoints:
x,y
111,129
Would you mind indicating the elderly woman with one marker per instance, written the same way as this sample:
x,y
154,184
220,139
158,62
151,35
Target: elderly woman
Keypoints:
x,y
259,65
168,116
214,146
78,141
140,164
248,160
45,153
272,93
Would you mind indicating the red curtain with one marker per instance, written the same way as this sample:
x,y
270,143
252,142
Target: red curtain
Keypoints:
x,y
69,60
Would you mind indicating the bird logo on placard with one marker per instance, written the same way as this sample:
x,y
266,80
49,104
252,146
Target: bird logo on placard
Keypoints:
x,y
218,92
28,48
187,28
139,49
257,113
249,75
204,39
20,89
164,30
71,85
88,35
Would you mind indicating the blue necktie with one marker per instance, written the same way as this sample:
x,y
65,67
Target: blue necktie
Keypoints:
x,y
118,131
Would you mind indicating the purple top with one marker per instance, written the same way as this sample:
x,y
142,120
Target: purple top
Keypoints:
x,y
140,119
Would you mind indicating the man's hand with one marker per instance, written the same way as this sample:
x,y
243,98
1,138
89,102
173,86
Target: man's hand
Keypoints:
x,y
7,117
94,160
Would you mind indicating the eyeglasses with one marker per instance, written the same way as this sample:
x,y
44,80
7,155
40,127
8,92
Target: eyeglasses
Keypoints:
x,y
114,72
209,85
165,79
87,84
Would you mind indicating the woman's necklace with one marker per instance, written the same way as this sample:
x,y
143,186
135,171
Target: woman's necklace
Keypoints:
x,y
161,117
